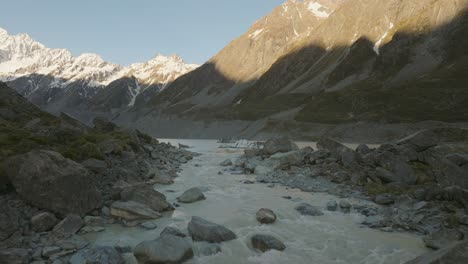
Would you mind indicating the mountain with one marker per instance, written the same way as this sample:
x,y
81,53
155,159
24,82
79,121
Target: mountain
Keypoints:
x,y
332,62
55,80
247,57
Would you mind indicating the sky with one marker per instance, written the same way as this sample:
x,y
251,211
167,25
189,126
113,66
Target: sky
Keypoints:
x,y
124,31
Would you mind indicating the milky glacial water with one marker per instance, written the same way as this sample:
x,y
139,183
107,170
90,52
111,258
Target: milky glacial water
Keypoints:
x,y
334,237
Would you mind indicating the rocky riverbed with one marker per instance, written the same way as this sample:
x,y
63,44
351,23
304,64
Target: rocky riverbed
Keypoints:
x,y
324,202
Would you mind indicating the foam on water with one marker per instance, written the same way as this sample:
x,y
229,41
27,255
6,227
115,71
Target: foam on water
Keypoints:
x,y
334,237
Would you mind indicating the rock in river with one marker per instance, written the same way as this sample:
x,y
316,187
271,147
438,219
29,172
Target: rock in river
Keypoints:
x,y
226,163
265,216
192,195
133,211
307,209
203,230
166,249
265,243
146,195
49,181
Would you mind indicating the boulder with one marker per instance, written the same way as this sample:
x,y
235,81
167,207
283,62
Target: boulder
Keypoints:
x,y
308,209
455,253
150,225
334,147
275,145
420,140
287,159
108,255
332,205
393,168
68,226
49,181
173,231
265,243
226,163
14,256
191,195
345,204
146,195
165,250
44,221
442,238
95,221
340,177
265,216
203,230
133,211
348,157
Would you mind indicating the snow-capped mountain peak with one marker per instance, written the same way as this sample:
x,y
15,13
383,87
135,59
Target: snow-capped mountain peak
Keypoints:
x,y
20,56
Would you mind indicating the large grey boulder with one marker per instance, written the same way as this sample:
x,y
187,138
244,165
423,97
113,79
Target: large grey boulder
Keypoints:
x,y
455,253
442,238
49,181
275,145
191,195
44,221
265,216
420,140
203,230
145,194
133,211
164,250
265,243
392,168
108,255
308,209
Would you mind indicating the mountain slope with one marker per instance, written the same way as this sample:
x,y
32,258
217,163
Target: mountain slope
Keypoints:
x,y
376,61
55,80
247,57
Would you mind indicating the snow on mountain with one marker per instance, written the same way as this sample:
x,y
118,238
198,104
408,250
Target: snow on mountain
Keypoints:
x,y
21,56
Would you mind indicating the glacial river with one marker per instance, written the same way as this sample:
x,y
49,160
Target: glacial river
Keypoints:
x,y
334,237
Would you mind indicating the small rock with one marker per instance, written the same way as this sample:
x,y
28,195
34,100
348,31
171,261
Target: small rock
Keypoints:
x,y
384,199
307,209
133,211
192,195
94,221
91,229
332,205
208,249
68,226
226,163
123,246
150,225
203,230
442,238
106,255
265,216
43,222
169,230
267,242
248,182
165,249
345,204
286,197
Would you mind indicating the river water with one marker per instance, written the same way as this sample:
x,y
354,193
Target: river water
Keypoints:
x,y
334,237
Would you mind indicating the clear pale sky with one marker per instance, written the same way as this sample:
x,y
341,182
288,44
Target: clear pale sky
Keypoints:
x,y
124,31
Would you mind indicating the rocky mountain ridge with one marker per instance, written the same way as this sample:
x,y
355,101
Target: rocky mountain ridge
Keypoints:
x,y
51,77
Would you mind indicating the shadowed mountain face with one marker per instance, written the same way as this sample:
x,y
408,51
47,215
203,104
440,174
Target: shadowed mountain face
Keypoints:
x,y
390,61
